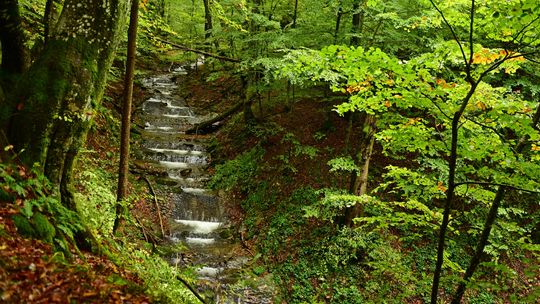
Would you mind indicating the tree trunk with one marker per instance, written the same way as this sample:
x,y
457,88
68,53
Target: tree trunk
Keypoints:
x,y
126,113
60,91
475,260
295,14
14,53
488,224
249,117
207,20
450,192
357,22
338,22
205,127
49,18
359,181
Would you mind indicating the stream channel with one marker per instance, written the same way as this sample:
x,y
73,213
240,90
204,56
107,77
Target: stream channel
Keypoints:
x,y
198,216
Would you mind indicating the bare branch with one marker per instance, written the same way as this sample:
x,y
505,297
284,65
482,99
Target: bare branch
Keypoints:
x,y
185,48
524,28
471,29
501,136
456,38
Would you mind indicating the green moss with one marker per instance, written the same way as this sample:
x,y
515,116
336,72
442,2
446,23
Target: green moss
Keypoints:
x,y
23,225
38,227
44,229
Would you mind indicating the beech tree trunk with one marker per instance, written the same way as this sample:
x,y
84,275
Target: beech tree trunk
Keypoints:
x,y
126,113
61,89
49,18
249,117
359,180
488,224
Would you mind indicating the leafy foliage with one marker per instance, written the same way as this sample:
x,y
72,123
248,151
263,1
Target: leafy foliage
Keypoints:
x,y
41,215
238,172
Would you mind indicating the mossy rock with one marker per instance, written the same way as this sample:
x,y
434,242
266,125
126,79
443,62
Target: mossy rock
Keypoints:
x,y
44,229
23,226
38,226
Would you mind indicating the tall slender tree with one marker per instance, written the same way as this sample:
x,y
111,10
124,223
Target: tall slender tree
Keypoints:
x,y
126,113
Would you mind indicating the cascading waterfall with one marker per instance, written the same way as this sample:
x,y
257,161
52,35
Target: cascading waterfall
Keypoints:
x,y
198,216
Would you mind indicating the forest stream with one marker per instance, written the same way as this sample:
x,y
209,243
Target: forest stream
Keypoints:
x,y
198,217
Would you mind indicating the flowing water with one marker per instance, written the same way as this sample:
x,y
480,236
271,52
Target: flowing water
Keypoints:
x,y
198,218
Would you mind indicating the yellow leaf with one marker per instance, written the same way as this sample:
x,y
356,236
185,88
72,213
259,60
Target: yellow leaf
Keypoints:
x,y
481,105
440,187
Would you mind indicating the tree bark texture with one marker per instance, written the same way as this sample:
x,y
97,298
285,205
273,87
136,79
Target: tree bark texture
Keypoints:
x,y
61,89
208,26
475,259
249,117
14,53
49,18
126,112
359,181
295,14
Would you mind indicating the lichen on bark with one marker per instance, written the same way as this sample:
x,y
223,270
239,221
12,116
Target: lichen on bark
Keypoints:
x,y
58,94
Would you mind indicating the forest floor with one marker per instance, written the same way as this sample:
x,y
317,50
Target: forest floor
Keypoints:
x,y
32,272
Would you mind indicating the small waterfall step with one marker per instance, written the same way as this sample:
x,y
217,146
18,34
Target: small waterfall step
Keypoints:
x,y
194,144
197,159
201,226
179,162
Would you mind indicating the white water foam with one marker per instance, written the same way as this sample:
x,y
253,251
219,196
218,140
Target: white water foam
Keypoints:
x,y
174,165
180,152
154,128
194,190
201,226
170,106
209,271
157,100
199,241
177,116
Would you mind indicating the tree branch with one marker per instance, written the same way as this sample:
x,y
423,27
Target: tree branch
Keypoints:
x,y
156,203
496,184
471,29
523,30
201,127
456,38
185,48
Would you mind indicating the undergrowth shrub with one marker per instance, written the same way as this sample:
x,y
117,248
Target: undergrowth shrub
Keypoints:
x,y
160,278
96,200
239,172
41,214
